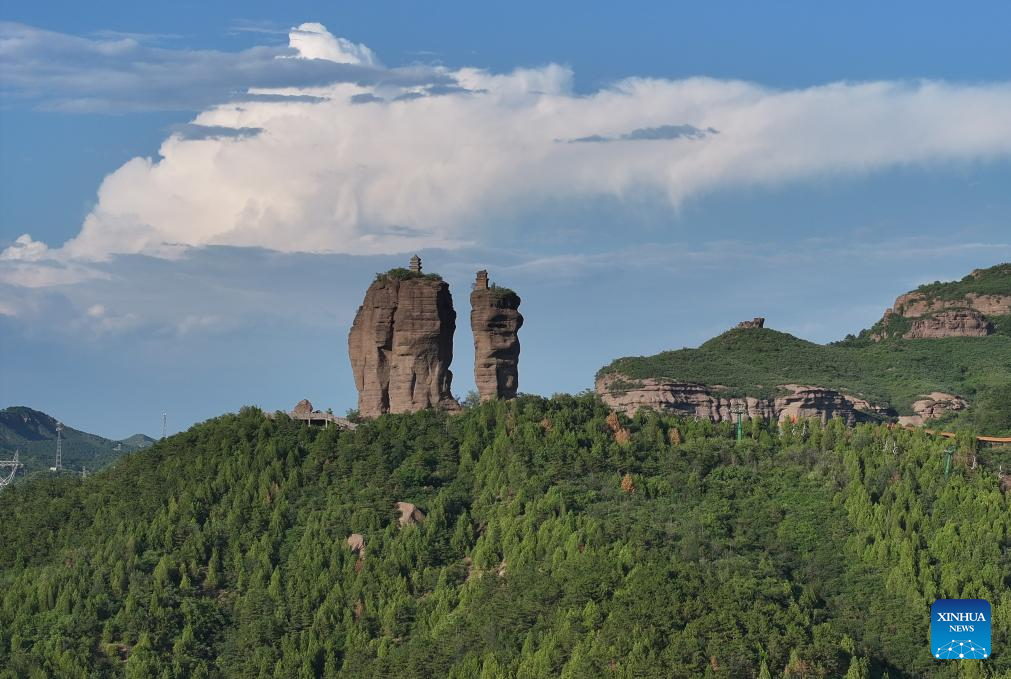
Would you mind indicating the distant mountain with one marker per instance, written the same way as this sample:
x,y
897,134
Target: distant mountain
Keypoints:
x,y
942,353
34,434
137,441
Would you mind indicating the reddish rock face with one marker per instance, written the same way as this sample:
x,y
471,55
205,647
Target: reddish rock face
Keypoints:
x,y
913,304
628,395
401,346
495,320
954,323
937,317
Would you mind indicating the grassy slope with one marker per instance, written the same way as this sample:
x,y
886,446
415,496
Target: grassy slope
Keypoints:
x,y
756,361
992,281
894,371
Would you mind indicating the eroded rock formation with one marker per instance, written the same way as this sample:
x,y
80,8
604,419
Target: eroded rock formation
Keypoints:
x,y
933,405
913,304
952,323
937,317
757,322
401,344
356,543
495,320
696,400
409,514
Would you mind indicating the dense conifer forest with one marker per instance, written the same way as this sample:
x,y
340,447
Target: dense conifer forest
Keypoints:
x,y
559,540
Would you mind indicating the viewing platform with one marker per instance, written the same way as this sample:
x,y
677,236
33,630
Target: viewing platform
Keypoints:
x,y
303,411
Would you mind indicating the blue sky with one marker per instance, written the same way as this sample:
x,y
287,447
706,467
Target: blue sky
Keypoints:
x,y
194,245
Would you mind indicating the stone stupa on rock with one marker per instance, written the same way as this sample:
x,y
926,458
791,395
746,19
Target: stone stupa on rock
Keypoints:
x,y
401,343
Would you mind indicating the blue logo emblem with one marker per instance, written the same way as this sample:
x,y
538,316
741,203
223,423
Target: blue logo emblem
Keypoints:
x,y
960,629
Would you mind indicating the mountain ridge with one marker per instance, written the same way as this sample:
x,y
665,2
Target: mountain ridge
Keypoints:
x,y
33,432
936,370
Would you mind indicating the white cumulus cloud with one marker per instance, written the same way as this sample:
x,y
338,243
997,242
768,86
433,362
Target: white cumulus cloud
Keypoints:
x,y
24,249
393,165
313,41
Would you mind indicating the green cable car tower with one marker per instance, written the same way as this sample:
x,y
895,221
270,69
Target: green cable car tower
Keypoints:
x,y
740,412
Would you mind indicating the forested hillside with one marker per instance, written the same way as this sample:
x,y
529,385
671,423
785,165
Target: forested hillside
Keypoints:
x,y
33,433
558,540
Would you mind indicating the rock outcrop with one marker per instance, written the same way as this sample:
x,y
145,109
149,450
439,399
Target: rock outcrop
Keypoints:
x,y
914,304
302,409
495,320
932,406
757,322
696,400
938,316
356,543
952,323
409,514
401,344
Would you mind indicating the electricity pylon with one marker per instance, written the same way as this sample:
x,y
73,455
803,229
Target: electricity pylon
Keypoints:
x,y
13,465
59,449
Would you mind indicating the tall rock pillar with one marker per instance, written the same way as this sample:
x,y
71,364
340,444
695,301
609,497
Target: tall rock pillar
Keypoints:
x,y
495,320
401,344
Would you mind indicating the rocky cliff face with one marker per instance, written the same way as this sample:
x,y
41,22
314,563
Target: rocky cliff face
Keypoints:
x,y
952,323
401,346
936,317
914,304
495,320
695,400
